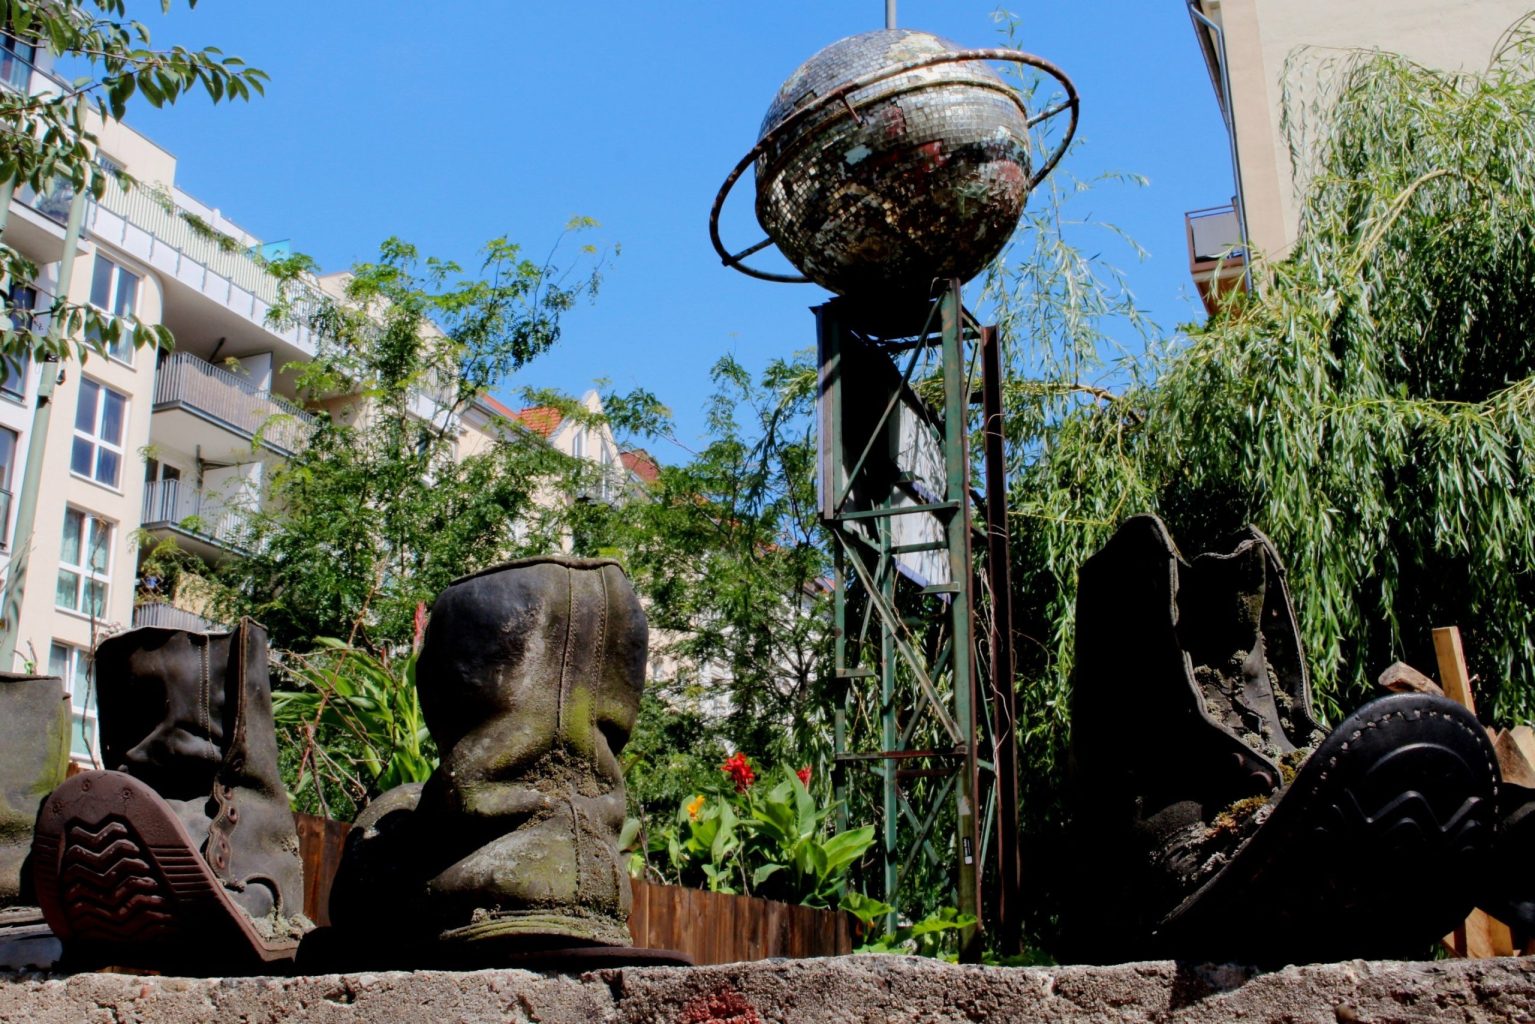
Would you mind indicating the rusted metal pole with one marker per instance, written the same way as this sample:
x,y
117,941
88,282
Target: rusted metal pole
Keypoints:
x,y
1004,701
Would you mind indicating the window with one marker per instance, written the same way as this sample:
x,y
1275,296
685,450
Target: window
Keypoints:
x,y
14,366
16,59
85,564
606,488
99,421
72,665
8,439
114,292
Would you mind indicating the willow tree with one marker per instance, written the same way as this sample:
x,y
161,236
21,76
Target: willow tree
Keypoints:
x,y
1370,405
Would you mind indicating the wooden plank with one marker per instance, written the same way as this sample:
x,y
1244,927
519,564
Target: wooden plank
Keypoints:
x,y
1514,766
663,916
639,921
1401,677
320,844
1481,935
1454,679
1523,737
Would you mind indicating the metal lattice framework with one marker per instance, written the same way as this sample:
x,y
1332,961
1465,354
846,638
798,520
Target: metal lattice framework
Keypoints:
x,y
921,747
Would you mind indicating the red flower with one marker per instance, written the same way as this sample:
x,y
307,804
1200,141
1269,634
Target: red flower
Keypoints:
x,y
739,771
804,776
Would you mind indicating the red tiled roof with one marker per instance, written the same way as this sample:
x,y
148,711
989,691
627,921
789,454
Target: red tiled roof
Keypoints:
x,y
641,464
541,419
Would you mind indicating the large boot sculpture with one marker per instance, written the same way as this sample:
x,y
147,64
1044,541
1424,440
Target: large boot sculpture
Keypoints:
x,y
530,678
184,856
1214,819
34,756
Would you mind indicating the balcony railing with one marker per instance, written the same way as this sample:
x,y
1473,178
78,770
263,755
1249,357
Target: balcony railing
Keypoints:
x,y
1213,233
176,504
152,226
161,614
5,520
212,392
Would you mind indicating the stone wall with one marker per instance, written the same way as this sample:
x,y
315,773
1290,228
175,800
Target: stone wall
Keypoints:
x,y
827,991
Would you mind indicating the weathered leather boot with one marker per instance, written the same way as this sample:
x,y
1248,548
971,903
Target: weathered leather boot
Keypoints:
x,y
530,680
185,854
34,756
1212,817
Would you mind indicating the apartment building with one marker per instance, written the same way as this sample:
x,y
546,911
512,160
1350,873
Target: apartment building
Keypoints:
x,y
167,443
1245,45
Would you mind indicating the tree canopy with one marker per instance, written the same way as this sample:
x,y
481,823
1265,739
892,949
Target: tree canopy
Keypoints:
x,y
381,509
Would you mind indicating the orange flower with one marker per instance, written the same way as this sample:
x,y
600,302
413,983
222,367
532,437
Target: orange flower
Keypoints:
x,y
694,806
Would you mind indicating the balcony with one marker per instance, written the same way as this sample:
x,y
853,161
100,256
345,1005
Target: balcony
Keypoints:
x,y
1217,257
169,616
187,386
199,254
208,525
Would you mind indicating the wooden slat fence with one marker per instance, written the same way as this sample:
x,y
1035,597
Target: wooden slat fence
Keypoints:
x,y
711,927
718,928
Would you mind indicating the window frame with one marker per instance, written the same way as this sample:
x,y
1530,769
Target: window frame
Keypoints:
x,y
7,474
94,439
75,672
23,315
111,304
85,571
16,67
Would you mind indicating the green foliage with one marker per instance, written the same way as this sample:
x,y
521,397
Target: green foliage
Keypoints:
x,y
367,701
1369,407
774,843
797,856
380,511
935,935
50,139
727,551
673,754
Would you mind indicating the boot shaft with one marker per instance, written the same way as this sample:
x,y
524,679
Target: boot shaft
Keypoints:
x,y
1196,657
541,657
530,679
176,708
190,715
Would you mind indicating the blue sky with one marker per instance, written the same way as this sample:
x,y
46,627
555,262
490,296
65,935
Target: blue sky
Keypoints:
x,y
450,123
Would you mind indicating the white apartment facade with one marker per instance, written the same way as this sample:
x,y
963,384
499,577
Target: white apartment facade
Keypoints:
x,y
166,443
1245,45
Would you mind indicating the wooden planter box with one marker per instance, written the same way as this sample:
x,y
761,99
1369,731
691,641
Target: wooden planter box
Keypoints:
x,y
711,927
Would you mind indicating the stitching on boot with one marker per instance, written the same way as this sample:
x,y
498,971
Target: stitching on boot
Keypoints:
x,y
570,638
599,669
204,712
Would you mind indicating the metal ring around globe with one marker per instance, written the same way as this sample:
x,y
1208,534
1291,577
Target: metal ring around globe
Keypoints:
x,y
840,95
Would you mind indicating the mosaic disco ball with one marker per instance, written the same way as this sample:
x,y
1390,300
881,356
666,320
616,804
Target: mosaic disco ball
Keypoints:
x,y
919,175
